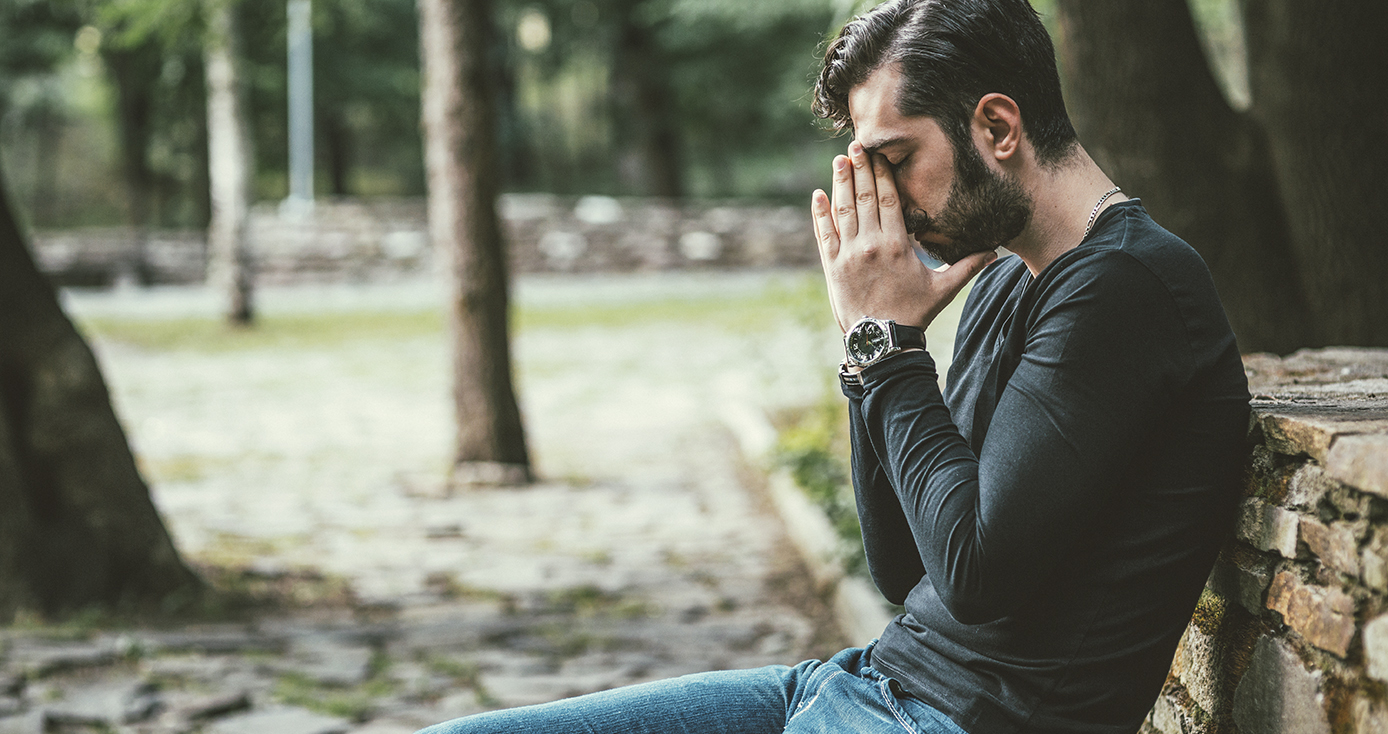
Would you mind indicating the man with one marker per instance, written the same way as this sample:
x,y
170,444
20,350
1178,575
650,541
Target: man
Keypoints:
x,y
1049,522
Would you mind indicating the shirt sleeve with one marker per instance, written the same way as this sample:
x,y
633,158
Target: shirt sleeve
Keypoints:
x,y
1105,347
892,556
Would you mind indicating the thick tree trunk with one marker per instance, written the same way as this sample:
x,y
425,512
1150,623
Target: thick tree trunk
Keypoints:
x,y
77,527
460,159
1317,75
1246,189
229,157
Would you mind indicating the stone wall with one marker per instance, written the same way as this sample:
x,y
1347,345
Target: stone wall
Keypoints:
x,y
112,255
1291,635
369,239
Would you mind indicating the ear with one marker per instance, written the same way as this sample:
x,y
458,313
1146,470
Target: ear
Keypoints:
x,y
999,120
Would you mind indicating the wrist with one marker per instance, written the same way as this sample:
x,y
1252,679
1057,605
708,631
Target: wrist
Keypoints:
x,y
851,375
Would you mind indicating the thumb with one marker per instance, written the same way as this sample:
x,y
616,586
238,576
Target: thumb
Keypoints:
x,y
953,278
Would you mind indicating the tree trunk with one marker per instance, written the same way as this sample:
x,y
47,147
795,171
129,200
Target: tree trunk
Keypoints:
x,y
77,527
460,160
641,88
135,72
229,157
1317,82
337,148
1288,243
48,139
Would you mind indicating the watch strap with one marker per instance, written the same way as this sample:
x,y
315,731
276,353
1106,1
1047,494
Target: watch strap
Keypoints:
x,y
907,337
849,379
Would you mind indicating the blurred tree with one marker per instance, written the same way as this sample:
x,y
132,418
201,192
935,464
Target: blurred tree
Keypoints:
x,y
77,527
742,75
1281,198
643,99
366,69
460,157
132,67
152,52
229,163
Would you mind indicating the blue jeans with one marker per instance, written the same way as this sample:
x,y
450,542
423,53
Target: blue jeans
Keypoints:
x,y
844,694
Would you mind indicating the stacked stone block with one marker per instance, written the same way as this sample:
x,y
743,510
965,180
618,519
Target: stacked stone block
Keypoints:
x,y
1291,635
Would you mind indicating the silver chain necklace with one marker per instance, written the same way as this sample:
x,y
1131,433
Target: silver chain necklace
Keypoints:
x,y
1095,214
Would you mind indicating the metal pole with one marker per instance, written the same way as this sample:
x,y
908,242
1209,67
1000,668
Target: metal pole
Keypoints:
x,y
300,107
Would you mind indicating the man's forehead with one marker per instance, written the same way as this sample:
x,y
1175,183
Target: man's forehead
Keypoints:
x,y
872,107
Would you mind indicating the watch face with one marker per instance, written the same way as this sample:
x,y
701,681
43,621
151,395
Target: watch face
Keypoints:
x,y
867,341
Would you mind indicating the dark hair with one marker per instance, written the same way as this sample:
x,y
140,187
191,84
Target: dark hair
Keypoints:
x,y
952,52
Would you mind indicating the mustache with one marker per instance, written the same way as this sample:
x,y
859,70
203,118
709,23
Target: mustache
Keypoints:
x,y
919,222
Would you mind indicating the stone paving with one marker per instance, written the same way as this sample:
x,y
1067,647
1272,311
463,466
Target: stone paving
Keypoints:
x,y
646,550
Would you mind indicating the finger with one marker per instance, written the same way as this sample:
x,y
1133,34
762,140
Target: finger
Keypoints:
x,y
864,187
952,279
825,235
845,211
827,239
890,214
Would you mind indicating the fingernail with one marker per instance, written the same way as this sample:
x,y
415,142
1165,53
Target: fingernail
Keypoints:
x,y
841,163
855,148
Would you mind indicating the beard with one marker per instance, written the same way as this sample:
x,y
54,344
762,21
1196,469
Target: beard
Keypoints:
x,y
984,211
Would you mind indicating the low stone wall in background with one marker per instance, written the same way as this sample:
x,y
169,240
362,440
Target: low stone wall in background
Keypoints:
x,y
1291,636
102,257
368,239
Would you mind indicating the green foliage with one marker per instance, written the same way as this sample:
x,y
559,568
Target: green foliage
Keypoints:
x,y
35,35
355,703
814,448
162,24
36,38
366,96
236,591
589,601
733,81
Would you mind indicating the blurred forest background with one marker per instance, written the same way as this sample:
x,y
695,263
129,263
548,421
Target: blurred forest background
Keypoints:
x,y
104,103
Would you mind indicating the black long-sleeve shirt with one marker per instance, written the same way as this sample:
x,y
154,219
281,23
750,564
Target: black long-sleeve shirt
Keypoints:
x,y
1050,520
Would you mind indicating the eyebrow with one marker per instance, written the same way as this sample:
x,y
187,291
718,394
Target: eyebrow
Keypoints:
x,y
879,145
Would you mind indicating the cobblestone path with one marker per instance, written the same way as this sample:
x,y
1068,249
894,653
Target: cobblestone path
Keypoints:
x,y
645,551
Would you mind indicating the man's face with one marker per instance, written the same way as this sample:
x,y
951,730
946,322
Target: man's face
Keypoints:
x,y
976,208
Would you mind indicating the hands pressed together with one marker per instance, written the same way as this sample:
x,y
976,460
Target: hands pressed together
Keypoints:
x,y
869,259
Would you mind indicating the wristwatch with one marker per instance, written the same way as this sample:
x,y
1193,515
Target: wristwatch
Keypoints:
x,y
872,340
